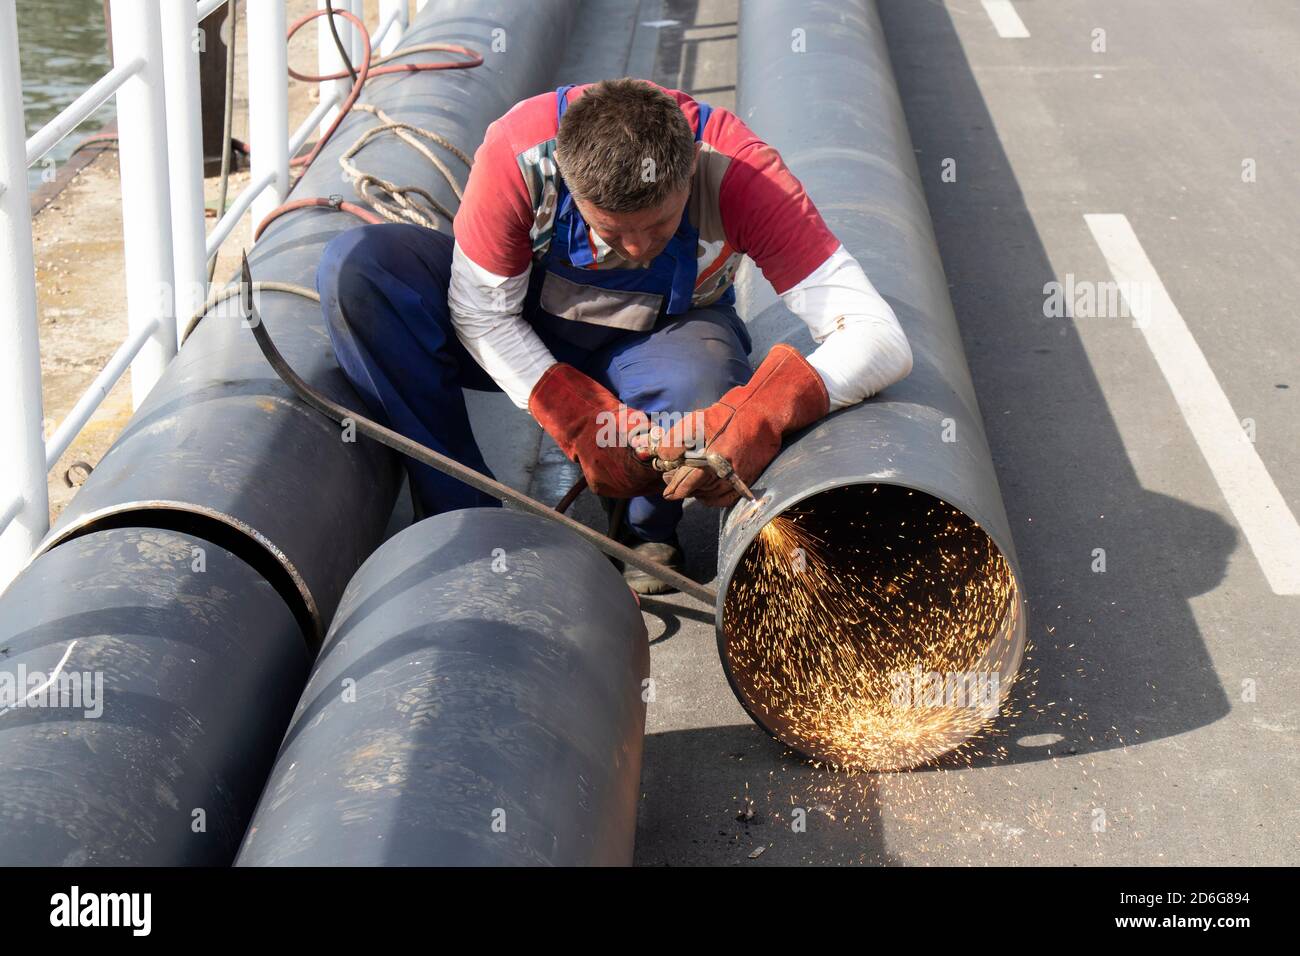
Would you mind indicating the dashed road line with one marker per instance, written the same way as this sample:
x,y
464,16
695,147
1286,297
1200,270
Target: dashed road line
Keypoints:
x,y
1005,19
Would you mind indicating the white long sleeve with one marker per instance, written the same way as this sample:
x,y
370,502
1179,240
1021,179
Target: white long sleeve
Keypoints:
x,y
861,347
486,311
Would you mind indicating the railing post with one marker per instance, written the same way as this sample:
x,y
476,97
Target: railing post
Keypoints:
x,y
180,40
21,411
268,103
146,193
357,44
394,36
328,60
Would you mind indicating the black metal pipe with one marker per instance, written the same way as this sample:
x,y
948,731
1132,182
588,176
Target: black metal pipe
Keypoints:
x,y
815,82
201,665
139,704
478,701
221,443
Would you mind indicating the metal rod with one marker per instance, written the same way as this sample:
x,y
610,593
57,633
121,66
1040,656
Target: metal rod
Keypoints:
x,y
10,512
328,100
449,466
235,211
356,42
21,414
94,396
393,22
180,27
344,54
328,61
268,105
80,109
146,206
227,145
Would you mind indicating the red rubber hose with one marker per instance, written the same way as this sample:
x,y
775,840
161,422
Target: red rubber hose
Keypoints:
x,y
364,72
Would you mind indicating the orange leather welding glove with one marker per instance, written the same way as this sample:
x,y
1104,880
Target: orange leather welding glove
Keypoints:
x,y
592,427
745,426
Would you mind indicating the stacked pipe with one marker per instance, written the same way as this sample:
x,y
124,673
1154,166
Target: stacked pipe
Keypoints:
x,y
896,499
225,520
145,675
479,701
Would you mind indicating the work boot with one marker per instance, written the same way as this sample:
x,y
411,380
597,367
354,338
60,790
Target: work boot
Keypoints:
x,y
665,552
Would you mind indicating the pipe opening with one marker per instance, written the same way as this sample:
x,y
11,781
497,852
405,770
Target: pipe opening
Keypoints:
x,y
216,531
873,627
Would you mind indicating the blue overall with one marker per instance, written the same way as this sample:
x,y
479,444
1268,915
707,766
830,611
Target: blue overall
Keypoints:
x,y
383,293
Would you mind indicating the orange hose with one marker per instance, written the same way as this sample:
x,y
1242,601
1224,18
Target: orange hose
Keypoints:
x,y
361,212
364,72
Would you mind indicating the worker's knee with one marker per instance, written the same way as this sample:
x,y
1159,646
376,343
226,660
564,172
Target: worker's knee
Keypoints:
x,y
695,384
345,269
361,269
709,362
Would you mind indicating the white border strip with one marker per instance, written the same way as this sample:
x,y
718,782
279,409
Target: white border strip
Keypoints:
x,y
1262,513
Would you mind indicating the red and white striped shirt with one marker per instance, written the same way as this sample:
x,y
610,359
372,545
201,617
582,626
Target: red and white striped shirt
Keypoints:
x,y
744,202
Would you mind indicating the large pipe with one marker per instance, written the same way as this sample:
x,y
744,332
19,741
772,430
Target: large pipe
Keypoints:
x,y
140,705
221,444
912,570
479,701
201,666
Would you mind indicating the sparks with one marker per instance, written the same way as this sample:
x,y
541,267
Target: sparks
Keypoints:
x,y
873,633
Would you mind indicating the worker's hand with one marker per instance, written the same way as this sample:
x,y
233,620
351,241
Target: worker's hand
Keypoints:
x,y
745,426
594,429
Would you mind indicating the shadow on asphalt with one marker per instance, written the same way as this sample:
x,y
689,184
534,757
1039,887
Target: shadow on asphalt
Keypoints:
x,y
1117,657
754,798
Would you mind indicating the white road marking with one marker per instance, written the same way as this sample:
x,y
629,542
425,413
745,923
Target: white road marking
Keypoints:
x,y
1262,513
1005,19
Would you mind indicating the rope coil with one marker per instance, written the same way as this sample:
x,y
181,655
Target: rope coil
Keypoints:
x,y
389,200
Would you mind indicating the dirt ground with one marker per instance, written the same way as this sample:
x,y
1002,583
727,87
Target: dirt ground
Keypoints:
x,y
80,288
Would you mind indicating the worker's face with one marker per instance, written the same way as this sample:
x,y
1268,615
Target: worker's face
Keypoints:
x,y
641,235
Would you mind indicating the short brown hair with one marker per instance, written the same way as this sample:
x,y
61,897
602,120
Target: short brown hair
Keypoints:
x,y
625,145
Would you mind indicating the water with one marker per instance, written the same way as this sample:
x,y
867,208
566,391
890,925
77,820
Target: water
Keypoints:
x,y
63,50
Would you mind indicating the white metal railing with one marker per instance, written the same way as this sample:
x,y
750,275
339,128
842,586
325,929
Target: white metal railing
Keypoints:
x,y
76,112
166,242
98,391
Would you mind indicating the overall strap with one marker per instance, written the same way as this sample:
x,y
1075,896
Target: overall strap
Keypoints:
x,y
568,218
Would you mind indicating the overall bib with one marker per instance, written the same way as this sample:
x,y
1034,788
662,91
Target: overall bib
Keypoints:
x,y
595,305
